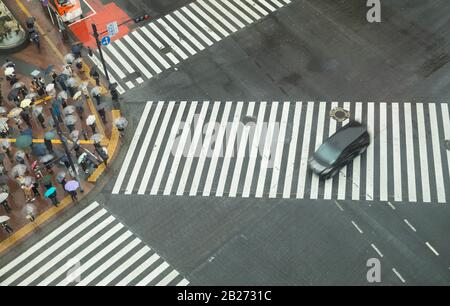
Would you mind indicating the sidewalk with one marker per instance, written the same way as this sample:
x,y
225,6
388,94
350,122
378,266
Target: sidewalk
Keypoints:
x,y
26,62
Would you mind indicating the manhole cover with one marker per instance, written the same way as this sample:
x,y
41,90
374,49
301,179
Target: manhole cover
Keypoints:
x,y
447,144
339,114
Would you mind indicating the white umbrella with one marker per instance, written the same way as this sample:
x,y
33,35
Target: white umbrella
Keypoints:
x,y
37,110
69,58
31,95
81,158
90,120
3,110
3,196
121,122
50,87
25,103
29,209
75,135
70,120
96,138
96,91
46,158
77,95
71,82
19,155
69,110
63,95
18,85
4,219
9,71
18,170
28,180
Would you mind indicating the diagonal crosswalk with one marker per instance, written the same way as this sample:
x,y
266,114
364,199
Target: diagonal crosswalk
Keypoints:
x,y
156,47
261,149
91,248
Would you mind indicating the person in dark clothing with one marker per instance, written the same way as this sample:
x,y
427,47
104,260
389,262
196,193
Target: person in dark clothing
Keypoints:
x,y
6,227
26,117
6,206
102,114
96,77
98,98
80,111
41,120
73,195
54,199
93,127
54,77
35,189
48,145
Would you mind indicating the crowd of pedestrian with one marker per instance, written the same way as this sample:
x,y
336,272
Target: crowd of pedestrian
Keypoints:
x,y
52,104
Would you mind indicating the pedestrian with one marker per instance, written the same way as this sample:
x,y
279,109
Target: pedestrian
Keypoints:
x,y
103,154
26,117
79,64
6,206
30,217
102,114
41,120
93,127
80,110
98,98
114,93
71,127
54,77
54,199
48,144
96,77
73,195
28,193
57,111
34,188
6,147
48,185
6,227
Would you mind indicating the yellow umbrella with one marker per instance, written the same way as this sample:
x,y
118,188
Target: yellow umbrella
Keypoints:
x,y
25,103
15,112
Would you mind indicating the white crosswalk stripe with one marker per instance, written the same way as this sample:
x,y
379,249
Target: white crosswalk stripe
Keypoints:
x,y
153,48
91,248
261,149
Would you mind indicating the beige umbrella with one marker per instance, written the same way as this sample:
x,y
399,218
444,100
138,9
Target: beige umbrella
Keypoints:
x,y
25,103
15,112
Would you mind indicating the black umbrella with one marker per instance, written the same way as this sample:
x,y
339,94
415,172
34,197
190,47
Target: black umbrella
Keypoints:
x,y
62,77
94,70
38,149
76,49
13,94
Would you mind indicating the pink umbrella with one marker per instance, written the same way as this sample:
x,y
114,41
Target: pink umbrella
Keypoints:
x,y
72,185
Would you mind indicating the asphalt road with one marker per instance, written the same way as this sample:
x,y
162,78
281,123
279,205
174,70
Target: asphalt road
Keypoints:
x,y
318,50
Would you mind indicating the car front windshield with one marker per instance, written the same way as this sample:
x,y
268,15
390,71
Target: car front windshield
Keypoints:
x,y
328,153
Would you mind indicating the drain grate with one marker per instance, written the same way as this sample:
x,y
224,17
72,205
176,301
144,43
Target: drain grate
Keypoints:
x,y
339,114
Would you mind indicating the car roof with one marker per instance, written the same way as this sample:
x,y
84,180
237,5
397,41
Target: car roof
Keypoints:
x,y
348,134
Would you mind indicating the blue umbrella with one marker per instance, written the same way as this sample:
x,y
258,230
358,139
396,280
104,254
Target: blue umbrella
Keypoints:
x,y
50,192
28,132
38,149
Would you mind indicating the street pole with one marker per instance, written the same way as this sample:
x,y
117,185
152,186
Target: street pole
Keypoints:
x,y
99,46
66,150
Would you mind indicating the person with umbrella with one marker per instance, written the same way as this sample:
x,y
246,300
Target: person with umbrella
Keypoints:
x,y
24,142
37,112
6,146
56,110
71,187
79,108
96,94
30,211
70,122
51,194
30,182
26,117
102,114
79,64
48,137
4,224
114,92
61,178
28,193
47,181
90,121
95,75
4,202
62,98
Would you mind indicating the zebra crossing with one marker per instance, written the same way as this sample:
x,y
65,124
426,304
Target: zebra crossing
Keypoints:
x,y
91,248
165,42
261,149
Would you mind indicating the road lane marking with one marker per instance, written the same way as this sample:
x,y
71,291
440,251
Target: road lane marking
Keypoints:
x,y
412,196
158,44
314,190
338,205
342,180
409,224
292,151
436,143
396,153
431,248
328,190
177,37
383,153
202,25
146,280
267,153
185,33
279,151
305,151
356,175
398,275
370,152
422,134
357,227
209,19
193,28
254,150
139,270
376,250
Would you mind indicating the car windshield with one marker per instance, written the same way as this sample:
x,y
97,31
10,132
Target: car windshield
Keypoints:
x,y
328,153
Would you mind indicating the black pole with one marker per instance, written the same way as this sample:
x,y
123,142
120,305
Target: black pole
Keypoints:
x,y
66,149
99,46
